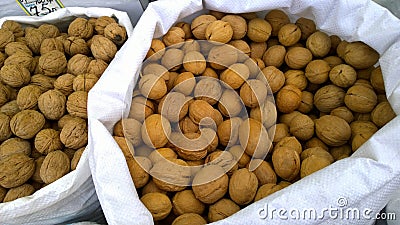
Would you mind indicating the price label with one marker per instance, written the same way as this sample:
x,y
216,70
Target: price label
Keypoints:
x,y
39,7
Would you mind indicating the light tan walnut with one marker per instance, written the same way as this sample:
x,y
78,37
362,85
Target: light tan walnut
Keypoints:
x,y
77,104
74,134
19,192
55,165
27,123
48,140
28,96
15,170
80,27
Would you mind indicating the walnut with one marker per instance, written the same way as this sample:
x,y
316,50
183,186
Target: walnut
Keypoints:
x,y
253,93
210,184
184,83
338,152
173,106
13,146
209,90
186,28
97,67
189,218
48,140
78,64
174,37
50,44
225,159
102,22
155,131
53,63
186,202
49,30
152,86
81,28
307,102
19,192
274,56
64,84
258,30
161,154
151,187
286,163
222,56
238,24
77,104
74,134
84,82
317,151
6,37
312,164
302,127
199,110
172,59
34,38
222,209
75,45
219,31
377,80
190,146
298,57
255,65
52,104
157,70
266,113
55,165
156,50
139,168
14,27
257,49
333,60
343,75
382,114
290,142
171,174
129,128
116,33
253,137
235,75
230,103
10,108
296,78
200,24
36,176
265,190
27,123
319,43
141,108
277,19
15,170
288,98
263,171
360,99
344,113
15,75
240,156
317,71
328,98
359,55
289,34
28,96
306,26
3,193
228,131
158,204
272,76
243,186
194,62
14,47
332,130
45,83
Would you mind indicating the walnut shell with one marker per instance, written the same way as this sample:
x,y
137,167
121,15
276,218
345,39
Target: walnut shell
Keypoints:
x,y
78,64
139,168
302,127
5,129
257,49
27,123
186,202
116,33
172,59
360,55
77,104
53,63
97,67
80,27
328,98
156,50
210,184
74,134
48,140
21,58
15,75
200,24
155,131
377,80
161,154
258,30
38,163
253,137
194,62
319,43
45,83
235,75
288,98
14,27
298,57
152,87
84,82
222,209
55,165
266,113
332,130
19,192
219,31
49,30
306,26
174,37
15,170
286,163
274,56
382,114
230,104
264,171
209,90
75,45
10,108
317,71
265,190
173,106
272,76
171,174
141,108
34,38
6,37
290,142
3,193
52,104
102,22
222,56
238,24
289,34
228,131
13,146
14,47
50,44
129,128
312,164
343,75
28,96
189,218
243,186
158,204
277,19
318,151
185,27
360,99
64,84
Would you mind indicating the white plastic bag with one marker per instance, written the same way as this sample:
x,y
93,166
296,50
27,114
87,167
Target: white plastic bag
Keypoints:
x,y
362,184
72,198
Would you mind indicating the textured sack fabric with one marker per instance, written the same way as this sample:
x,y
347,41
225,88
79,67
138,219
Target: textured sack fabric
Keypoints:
x,y
72,198
364,182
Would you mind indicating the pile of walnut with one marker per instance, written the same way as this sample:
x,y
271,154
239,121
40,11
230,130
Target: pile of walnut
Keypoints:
x,y
329,100
45,78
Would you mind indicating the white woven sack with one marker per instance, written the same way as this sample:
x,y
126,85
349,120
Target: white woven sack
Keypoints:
x,y
72,198
363,182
